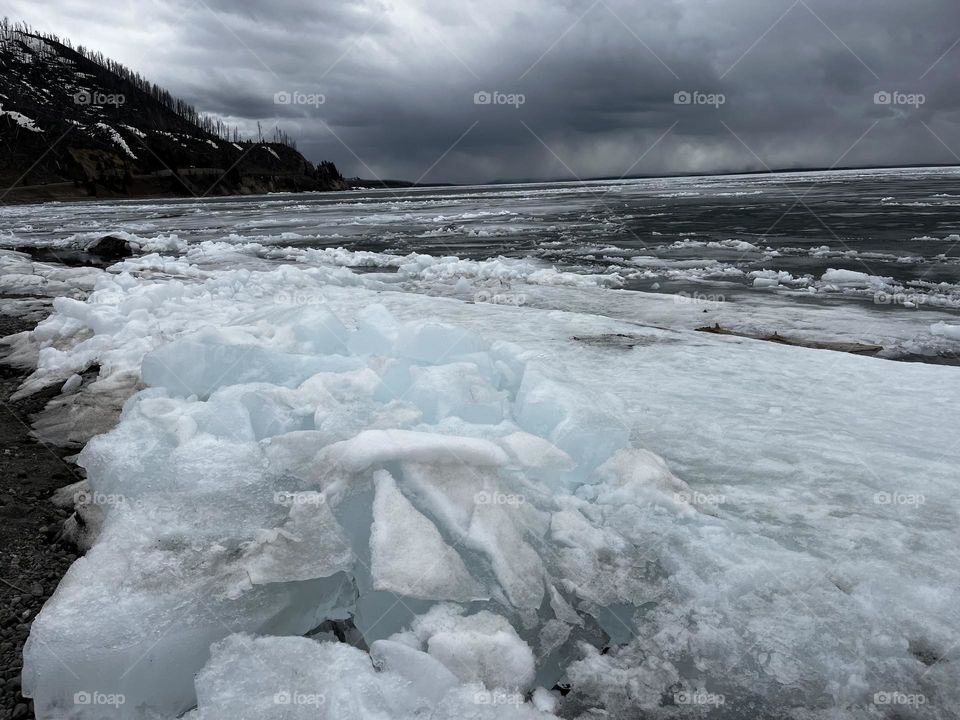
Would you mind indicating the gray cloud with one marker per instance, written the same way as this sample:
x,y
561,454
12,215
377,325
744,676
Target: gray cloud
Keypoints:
x,y
599,78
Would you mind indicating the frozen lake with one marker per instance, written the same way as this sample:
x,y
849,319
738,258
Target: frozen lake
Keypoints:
x,y
862,242
894,223
474,433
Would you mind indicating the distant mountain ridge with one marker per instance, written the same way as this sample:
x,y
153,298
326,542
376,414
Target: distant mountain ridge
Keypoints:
x,y
74,123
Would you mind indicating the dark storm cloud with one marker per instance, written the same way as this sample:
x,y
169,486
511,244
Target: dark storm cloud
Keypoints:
x,y
799,79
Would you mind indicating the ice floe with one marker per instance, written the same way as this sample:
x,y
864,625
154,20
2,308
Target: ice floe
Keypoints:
x,y
478,494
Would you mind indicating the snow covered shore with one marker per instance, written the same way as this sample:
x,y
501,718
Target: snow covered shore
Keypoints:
x,y
498,500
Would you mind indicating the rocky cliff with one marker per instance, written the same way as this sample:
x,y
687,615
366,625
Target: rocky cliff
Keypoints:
x,y
75,124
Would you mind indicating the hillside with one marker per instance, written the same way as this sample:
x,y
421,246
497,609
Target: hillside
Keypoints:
x,y
75,124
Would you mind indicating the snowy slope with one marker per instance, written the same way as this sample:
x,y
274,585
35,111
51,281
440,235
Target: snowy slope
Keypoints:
x,y
70,114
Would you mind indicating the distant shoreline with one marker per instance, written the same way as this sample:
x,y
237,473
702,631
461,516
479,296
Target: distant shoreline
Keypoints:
x,y
169,186
728,173
69,191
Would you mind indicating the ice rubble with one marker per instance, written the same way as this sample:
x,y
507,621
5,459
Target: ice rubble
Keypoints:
x,y
945,330
460,499
365,473
532,281
320,681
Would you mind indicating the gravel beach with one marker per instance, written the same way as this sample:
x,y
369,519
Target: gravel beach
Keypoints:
x,y
32,560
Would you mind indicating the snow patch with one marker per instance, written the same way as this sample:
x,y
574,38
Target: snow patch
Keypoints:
x,y
20,119
117,139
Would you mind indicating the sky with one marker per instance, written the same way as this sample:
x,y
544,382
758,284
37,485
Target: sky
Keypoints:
x,y
479,90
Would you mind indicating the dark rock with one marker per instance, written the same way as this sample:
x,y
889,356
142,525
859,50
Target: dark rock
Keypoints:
x,y
13,510
110,247
329,177
20,711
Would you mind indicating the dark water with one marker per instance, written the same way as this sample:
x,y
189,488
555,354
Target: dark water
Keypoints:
x,y
803,223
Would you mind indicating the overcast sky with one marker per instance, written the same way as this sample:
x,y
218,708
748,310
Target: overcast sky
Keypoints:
x,y
388,88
